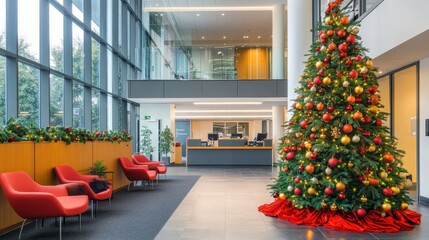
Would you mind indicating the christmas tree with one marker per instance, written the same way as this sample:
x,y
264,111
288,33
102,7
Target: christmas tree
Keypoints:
x,y
339,165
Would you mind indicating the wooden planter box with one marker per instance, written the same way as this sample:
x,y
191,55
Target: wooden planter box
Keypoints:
x,y
17,156
51,154
109,153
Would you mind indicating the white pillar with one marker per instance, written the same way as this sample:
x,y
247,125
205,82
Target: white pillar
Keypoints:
x,y
278,121
299,24
278,42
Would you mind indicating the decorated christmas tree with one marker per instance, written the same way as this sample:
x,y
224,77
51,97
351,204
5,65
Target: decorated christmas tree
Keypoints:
x,y
339,166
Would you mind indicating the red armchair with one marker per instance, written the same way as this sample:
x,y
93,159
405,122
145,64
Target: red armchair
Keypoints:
x,y
67,174
136,172
159,167
31,200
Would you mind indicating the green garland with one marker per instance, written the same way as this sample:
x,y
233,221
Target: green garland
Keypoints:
x,y
15,131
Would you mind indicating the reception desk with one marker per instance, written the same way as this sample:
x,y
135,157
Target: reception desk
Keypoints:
x,y
228,155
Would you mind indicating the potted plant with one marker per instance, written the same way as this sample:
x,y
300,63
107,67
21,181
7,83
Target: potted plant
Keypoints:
x,y
165,144
98,169
146,143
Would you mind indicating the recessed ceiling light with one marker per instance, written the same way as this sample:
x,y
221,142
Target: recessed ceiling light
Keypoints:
x,y
198,14
227,103
225,116
161,14
259,36
224,37
223,111
203,37
223,14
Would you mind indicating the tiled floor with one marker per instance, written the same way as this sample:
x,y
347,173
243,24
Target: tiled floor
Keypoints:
x,y
223,205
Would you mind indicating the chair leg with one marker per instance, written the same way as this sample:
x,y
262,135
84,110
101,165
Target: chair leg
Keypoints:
x,y
61,224
110,201
80,222
22,227
129,186
92,208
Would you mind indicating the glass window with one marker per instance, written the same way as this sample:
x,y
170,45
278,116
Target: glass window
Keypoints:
x,y
56,38
95,111
120,114
78,53
56,111
95,16
78,111
60,2
77,9
28,29
109,112
95,63
2,91
109,70
28,94
2,23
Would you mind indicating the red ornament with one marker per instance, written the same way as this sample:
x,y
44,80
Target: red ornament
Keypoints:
x,y
342,196
291,123
347,128
343,54
297,191
366,119
11,139
327,60
378,122
349,62
351,39
18,127
332,162
366,134
341,33
377,140
309,105
317,80
338,74
304,124
328,191
361,212
322,40
349,108
358,58
297,179
290,155
321,72
372,89
360,129
321,91
327,117
387,192
293,148
353,74
301,168
275,195
331,108
317,48
313,156
362,149
342,47
310,85
312,136
358,100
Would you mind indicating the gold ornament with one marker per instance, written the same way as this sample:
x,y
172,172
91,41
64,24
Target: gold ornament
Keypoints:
x,y
334,207
345,140
327,80
318,64
386,207
383,174
371,148
404,206
363,199
323,204
373,109
328,21
346,83
395,190
313,129
308,154
350,164
282,196
322,136
311,191
369,64
365,182
358,90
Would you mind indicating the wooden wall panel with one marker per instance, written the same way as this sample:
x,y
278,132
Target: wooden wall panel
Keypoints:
x,y
49,155
14,157
109,153
252,63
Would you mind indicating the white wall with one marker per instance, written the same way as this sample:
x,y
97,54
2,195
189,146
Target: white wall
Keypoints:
x,y
392,23
156,111
424,140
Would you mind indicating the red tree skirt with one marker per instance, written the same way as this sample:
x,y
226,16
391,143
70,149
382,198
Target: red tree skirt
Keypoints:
x,y
394,221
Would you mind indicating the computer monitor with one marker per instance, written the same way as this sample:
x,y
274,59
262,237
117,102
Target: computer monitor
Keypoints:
x,y
213,136
236,135
261,136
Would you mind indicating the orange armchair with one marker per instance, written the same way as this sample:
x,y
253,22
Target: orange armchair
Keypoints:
x,y
159,167
136,172
31,200
67,174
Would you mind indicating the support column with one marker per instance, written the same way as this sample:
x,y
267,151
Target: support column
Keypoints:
x,y
299,24
278,42
278,113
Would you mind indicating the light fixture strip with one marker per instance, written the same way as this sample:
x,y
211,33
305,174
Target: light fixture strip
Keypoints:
x,y
227,103
224,116
207,9
222,111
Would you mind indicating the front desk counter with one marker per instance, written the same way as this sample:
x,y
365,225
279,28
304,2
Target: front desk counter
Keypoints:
x,y
237,154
